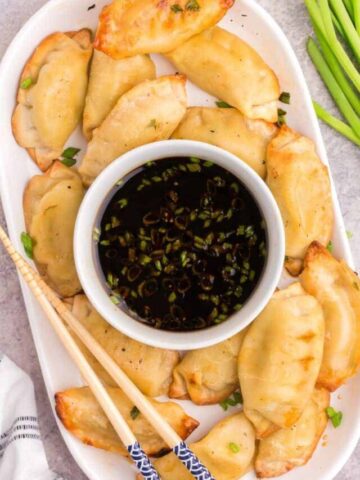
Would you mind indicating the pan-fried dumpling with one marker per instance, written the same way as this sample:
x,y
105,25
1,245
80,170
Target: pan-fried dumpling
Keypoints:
x,y
52,93
130,27
51,204
109,79
280,357
208,375
337,288
227,451
82,415
293,447
148,367
229,129
222,64
301,186
147,113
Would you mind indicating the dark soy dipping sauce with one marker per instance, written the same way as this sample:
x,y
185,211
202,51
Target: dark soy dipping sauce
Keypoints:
x,y
182,243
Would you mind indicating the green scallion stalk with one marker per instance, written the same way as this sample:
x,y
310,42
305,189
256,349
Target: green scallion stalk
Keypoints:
x,y
333,86
337,71
315,16
347,25
357,16
349,4
336,124
335,45
338,25
317,21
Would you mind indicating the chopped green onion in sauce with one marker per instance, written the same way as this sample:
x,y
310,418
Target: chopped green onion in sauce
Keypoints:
x,y
186,250
330,247
96,234
115,299
122,204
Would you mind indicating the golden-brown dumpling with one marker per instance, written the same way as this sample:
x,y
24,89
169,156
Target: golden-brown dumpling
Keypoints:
x,y
222,64
109,79
293,447
51,204
337,288
147,113
148,367
130,27
280,357
82,415
301,186
227,451
50,108
229,129
208,375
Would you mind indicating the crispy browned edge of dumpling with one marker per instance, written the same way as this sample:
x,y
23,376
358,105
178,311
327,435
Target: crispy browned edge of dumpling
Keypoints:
x,y
188,425
106,17
84,38
314,250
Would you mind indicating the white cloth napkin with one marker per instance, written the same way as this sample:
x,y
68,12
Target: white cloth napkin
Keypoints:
x,y
22,455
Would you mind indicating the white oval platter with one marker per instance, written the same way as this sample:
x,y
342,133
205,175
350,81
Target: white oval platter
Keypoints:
x,y
252,23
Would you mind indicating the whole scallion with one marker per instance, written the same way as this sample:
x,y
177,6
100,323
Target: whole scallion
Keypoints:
x,y
338,73
336,46
357,16
334,88
347,25
349,4
336,124
337,27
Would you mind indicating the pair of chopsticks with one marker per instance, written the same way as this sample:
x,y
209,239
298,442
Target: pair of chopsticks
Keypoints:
x,y
56,311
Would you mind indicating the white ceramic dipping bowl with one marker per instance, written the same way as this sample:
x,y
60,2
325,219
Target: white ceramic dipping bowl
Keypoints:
x,y
92,278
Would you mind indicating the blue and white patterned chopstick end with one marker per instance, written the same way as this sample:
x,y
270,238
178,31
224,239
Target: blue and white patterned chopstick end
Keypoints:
x,y
142,462
192,463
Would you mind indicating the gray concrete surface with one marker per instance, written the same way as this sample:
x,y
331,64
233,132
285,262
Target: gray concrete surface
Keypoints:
x,y
15,336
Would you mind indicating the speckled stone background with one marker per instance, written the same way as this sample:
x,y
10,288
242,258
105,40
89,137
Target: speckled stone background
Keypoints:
x,y
15,336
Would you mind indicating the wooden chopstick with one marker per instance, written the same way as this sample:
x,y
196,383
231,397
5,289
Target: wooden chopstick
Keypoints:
x,y
49,300
132,391
124,432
